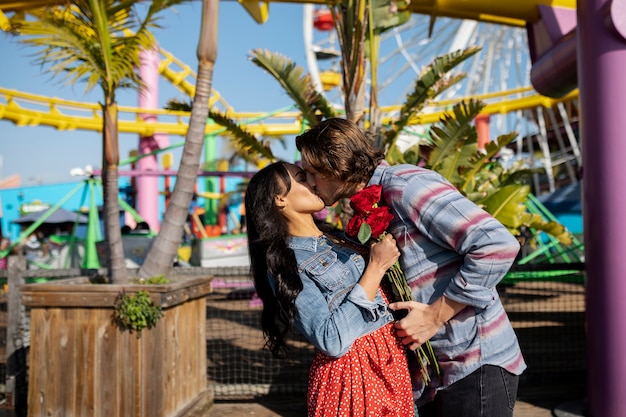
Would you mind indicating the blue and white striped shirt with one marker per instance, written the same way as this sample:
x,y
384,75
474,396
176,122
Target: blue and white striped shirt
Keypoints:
x,y
452,247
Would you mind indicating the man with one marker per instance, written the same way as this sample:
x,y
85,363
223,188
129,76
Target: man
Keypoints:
x,y
453,255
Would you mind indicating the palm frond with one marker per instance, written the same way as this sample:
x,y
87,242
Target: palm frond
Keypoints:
x,y
299,87
92,41
451,166
434,80
480,158
244,143
243,139
518,175
453,131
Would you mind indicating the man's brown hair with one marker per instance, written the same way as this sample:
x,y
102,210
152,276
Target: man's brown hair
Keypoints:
x,y
338,149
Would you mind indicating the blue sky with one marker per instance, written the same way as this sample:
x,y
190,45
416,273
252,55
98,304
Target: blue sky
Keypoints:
x,y
45,155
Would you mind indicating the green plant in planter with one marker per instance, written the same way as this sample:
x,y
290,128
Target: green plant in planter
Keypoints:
x,y
136,312
157,280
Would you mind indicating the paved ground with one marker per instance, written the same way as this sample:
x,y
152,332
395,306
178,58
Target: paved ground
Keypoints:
x,y
549,323
546,401
286,408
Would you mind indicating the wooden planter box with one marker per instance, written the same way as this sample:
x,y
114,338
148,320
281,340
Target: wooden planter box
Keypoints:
x,y
81,364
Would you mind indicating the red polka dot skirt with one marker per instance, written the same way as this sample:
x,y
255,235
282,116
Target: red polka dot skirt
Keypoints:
x,y
371,379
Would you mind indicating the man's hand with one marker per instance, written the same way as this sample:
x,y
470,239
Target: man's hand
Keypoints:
x,y
423,320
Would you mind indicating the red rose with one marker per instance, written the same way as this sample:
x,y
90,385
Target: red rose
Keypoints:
x,y
379,219
371,220
363,202
352,229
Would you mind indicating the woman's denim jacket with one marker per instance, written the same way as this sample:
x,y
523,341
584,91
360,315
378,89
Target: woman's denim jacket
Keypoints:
x,y
332,310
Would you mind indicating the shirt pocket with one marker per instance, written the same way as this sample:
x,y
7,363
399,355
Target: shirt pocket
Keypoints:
x,y
400,232
410,242
326,270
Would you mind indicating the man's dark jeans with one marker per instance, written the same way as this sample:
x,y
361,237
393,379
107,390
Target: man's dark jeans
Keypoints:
x,y
490,391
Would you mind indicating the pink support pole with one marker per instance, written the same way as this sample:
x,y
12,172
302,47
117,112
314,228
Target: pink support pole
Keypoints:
x,y
148,186
482,129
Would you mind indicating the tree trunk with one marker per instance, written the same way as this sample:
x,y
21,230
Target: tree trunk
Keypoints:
x,y
116,263
163,252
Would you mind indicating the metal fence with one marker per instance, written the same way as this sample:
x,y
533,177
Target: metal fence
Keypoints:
x,y
547,314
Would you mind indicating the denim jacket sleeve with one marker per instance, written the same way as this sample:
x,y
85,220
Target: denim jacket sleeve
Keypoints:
x,y
332,308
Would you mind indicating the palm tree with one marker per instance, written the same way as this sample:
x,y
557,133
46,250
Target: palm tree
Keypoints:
x,y
359,25
161,256
97,41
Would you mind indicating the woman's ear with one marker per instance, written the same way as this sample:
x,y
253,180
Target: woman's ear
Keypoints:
x,y
280,202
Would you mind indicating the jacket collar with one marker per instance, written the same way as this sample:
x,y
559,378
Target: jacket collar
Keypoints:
x,y
308,243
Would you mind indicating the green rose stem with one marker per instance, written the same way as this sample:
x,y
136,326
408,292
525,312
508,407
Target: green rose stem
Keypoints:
x,y
402,291
368,213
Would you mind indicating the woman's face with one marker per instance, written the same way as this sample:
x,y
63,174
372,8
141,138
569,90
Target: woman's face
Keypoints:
x,y
301,198
328,189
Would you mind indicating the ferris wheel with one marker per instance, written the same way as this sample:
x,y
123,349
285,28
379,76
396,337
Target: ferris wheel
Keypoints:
x,y
500,71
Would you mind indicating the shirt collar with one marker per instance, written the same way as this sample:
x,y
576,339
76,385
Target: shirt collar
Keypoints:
x,y
378,173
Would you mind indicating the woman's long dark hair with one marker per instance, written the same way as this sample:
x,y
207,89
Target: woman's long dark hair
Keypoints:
x,y
269,254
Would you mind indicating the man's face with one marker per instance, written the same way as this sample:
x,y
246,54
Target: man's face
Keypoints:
x,y
327,189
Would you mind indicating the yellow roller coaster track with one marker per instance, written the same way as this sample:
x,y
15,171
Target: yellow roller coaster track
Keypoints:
x,y
512,12
25,109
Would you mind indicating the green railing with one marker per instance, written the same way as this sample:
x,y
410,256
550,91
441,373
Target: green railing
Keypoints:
x,y
551,260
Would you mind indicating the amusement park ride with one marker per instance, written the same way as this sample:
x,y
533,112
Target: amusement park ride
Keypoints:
x,y
571,46
499,76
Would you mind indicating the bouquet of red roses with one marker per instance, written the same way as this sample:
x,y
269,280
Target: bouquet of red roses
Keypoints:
x,y
371,219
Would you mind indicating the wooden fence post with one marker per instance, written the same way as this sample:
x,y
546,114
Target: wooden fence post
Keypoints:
x,y
17,370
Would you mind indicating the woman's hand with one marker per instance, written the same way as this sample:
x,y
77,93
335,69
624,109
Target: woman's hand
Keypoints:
x,y
384,253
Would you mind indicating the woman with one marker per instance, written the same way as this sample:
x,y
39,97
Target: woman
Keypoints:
x,y
329,289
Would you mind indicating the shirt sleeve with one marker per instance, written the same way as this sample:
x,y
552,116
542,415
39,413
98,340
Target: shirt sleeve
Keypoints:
x,y
484,248
334,328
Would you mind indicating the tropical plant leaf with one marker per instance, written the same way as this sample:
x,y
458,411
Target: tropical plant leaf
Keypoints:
x,y
519,175
243,139
450,166
92,41
552,228
453,131
410,156
245,143
482,158
487,180
507,204
434,80
312,104
388,14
